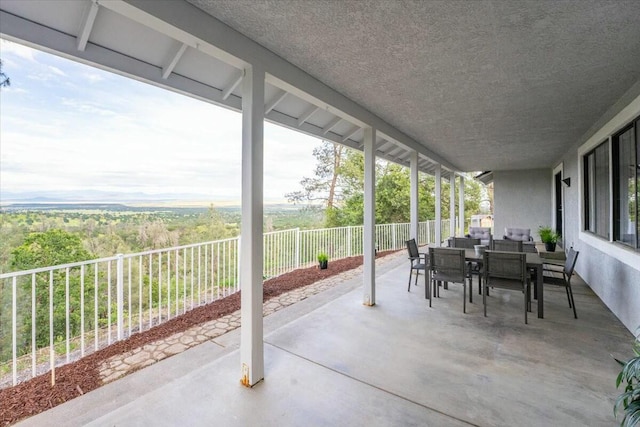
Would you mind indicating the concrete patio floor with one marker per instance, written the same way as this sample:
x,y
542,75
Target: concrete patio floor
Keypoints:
x,y
331,361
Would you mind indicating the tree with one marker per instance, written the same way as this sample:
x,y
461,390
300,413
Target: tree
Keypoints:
x,y
44,249
393,184
325,185
4,79
156,235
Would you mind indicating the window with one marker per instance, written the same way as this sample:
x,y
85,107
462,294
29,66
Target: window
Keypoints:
x,y
596,190
626,171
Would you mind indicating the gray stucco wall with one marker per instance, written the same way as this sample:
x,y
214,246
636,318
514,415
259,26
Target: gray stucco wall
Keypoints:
x,y
522,199
616,283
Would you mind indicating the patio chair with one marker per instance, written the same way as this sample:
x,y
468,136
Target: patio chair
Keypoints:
x,y
448,265
464,242
521,234
507,245
475,267
482,233
563,277
507,270
415,258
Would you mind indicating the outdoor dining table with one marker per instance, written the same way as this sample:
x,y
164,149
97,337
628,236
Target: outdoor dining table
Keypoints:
x,y
534,262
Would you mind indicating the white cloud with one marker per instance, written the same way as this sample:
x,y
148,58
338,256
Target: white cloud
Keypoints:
x,y
9,48
56,70
79,128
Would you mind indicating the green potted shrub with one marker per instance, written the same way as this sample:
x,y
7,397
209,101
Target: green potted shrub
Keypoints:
x,y
549,238
323,260
629,401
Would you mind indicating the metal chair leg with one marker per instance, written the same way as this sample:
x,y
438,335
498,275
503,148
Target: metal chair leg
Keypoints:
x,y
464,297
526,303
484,298
575,315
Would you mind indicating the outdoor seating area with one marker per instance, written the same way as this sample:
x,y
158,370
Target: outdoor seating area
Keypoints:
x,y
329,360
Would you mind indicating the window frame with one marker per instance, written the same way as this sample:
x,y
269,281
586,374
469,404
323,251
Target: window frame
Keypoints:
x,y
634,125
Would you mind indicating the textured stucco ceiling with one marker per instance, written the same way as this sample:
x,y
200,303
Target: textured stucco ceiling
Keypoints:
x,y
489,85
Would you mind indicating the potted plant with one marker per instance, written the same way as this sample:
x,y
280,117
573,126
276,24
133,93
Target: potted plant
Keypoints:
x,y
323,260
549,238
629,401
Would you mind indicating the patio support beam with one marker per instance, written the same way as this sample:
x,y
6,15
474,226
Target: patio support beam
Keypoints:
x,y
275,101
229,90
369,229
452,204
307,114
87,26
168,69
461,206
333,123
438,185
251,334
414,230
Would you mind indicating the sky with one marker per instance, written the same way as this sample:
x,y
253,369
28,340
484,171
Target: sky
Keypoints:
x,y
69,127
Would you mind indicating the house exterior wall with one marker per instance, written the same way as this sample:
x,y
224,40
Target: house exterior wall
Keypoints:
x,y
612,270
522,199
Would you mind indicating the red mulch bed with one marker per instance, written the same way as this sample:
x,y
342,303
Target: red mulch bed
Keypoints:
x,y
37,395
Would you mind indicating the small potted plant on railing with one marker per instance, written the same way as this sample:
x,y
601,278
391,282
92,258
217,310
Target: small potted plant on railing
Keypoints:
x,y
323,260
629,401
549,238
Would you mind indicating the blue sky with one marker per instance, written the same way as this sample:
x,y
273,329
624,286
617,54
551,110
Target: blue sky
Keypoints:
x,y
65,126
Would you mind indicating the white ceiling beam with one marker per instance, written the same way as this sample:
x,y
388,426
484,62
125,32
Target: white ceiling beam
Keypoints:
x,y
275,101
38,36
307,114
333,123
385,145
87,25
306,128
168,69
231,88
353,131
183,21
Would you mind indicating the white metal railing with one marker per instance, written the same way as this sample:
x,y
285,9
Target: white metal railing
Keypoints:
x,y
60,313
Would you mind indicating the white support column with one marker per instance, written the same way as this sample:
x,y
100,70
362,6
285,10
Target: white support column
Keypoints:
x,y
251,334
369,264
452,204
413,232
438,241
461,223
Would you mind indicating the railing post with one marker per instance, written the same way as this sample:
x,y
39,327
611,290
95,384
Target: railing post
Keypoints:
x,y
298,247
428,232
120,294
239,284
349,241
14,329
393,235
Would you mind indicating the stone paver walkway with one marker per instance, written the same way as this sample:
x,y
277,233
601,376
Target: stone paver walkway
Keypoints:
x,y
122,364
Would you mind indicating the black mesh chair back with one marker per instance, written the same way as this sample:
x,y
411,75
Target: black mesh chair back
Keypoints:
x,y
417,264
507,245
464,242
448,265
571,263
506,270
412,248
565,280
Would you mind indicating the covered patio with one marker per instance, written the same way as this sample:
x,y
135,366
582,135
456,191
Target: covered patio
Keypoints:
x,y
528,90
329,360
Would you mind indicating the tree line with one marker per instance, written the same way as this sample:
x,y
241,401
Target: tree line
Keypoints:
x,y
337,184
